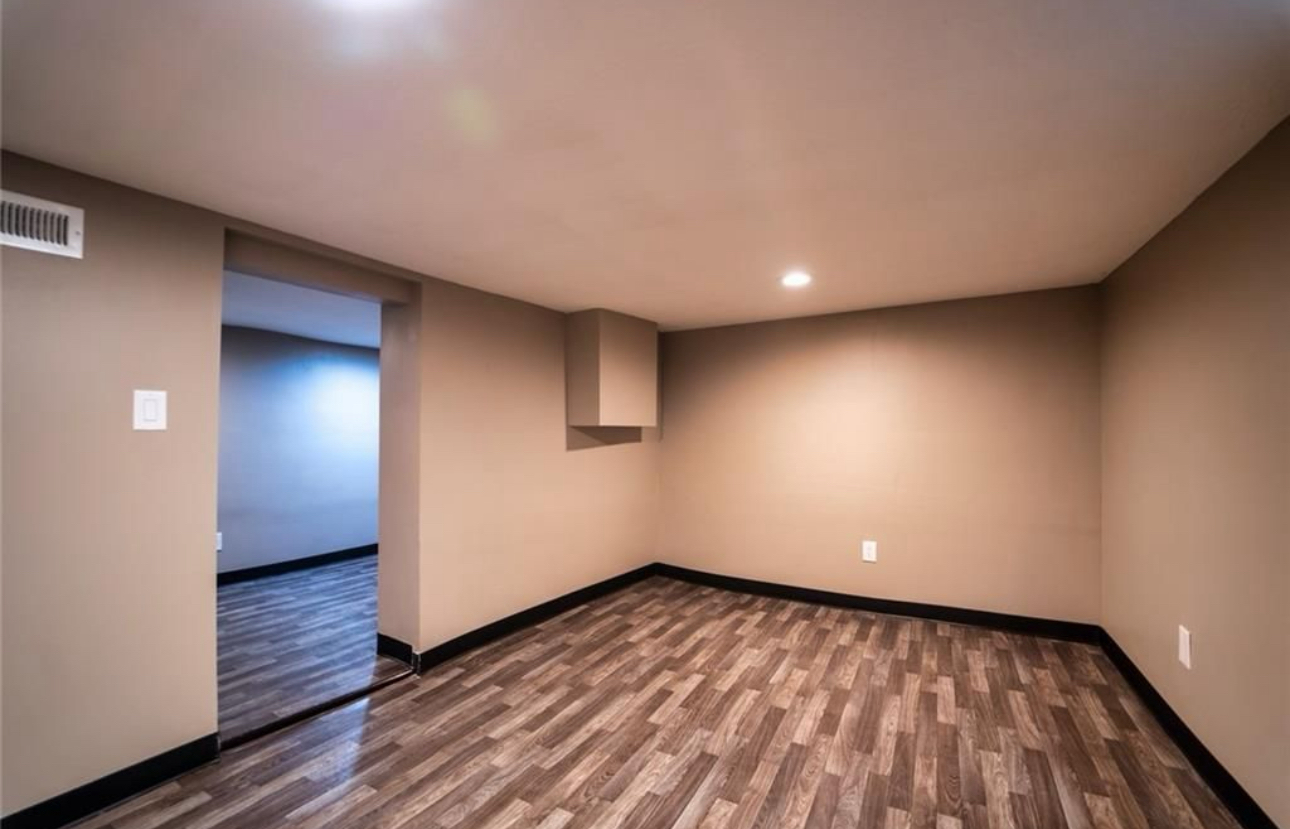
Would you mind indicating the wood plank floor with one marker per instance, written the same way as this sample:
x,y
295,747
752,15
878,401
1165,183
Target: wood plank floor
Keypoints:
x,y
672,705
291,641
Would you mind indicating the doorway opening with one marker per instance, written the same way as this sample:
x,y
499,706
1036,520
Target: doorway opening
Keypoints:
x,y
298,558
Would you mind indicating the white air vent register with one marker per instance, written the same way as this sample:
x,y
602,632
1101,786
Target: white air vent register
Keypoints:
x,y
36,224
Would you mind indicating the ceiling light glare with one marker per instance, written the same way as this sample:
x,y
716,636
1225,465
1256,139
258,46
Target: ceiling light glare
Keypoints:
x,y
796,279
370,5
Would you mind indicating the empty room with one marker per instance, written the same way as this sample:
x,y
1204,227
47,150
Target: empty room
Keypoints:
x,y
431,414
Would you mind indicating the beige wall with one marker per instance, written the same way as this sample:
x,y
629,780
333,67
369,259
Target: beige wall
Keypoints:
x,y
511,517
399,519
109,603
962,436
1196,450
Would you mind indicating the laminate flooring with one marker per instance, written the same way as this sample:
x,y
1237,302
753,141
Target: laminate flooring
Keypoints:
x,y
291,641
673,705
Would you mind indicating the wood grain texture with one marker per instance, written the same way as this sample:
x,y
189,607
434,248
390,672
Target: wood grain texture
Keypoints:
x,y
676,705
291,641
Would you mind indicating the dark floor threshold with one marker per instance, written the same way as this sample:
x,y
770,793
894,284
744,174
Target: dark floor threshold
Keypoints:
x,y
308,713
279,567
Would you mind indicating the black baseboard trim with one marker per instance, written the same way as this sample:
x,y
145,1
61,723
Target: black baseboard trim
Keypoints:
x,y
98,795
398,649
1234,796
1048,628
532,616
277,568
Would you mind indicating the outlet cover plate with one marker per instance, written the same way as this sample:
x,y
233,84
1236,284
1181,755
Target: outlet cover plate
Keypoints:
x,y
149,410
1184,647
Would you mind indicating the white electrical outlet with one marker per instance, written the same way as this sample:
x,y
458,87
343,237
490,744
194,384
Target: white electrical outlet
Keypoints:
x,y
869,550
219,542
1184,647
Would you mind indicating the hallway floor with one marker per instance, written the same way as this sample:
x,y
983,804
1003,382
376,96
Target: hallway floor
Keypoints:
x,y
291,641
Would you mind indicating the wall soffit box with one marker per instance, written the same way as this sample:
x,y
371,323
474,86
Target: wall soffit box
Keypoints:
x,y
611,370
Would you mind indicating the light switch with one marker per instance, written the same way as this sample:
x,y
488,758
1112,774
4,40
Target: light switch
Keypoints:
x,y
149,411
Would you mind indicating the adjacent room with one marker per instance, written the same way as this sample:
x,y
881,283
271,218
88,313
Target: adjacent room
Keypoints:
x,y
422,414
297,502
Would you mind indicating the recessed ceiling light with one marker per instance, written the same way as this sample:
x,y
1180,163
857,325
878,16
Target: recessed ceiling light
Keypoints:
x,y
796,279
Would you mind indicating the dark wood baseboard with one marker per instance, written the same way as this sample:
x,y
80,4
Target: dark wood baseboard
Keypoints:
x,y
98,795
279,567
1238,801
1049,628
532,616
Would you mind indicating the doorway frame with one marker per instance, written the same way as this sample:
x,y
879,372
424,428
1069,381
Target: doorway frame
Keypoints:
x,y
398,487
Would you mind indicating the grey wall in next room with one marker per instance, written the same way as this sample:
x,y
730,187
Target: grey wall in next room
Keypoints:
x,y
299,430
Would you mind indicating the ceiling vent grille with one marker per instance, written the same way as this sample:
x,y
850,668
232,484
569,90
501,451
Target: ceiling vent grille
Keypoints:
x,y
36,224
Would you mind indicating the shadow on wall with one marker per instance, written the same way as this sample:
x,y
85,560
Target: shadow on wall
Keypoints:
x,y
592,437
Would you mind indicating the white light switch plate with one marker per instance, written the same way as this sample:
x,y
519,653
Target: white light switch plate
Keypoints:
x,y
149,410
869,550
1184,646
